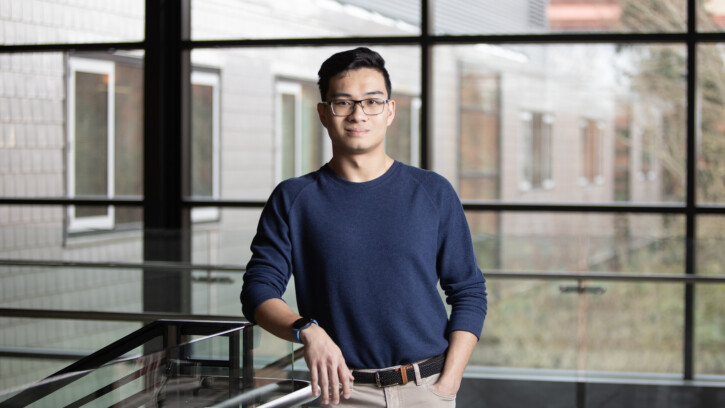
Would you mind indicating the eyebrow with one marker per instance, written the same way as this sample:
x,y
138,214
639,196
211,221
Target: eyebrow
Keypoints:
x,y
347,95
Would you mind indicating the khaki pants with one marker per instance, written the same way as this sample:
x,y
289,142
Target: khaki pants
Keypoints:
x,y
416,393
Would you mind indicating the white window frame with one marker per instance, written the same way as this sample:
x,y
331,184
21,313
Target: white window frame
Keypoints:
x,y
525,140
287,88
104,222
210,79
415,106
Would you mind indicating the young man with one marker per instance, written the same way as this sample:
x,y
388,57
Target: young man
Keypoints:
x,y
367,239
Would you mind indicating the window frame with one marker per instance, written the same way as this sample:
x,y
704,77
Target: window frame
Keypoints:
x,y
213,79
93,66
526,150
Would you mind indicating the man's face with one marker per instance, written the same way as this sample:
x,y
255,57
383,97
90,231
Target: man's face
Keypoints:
x,y
357,133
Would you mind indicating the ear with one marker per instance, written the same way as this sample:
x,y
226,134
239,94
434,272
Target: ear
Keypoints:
x,y
322,113
391,111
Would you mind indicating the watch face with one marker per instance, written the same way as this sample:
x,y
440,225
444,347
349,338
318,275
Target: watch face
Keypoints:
x,y
300,323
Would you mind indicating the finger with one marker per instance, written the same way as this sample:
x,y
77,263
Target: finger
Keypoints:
x,y
335,385
346,377
313,381
324,385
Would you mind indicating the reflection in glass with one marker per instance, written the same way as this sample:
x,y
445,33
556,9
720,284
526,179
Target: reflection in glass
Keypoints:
x,y
554,123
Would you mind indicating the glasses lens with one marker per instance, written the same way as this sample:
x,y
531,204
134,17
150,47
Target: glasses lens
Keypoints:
x,y
373,106
369,106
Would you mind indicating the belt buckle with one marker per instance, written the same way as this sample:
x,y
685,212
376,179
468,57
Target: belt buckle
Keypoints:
x,y
377,379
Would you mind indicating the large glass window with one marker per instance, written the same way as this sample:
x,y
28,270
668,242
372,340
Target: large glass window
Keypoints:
x,y
512,121
105,128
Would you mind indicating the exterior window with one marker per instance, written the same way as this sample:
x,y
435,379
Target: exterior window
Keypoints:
x,y
591,152
535,154
105,139
401,138
480,139
205,142
91,133
300,146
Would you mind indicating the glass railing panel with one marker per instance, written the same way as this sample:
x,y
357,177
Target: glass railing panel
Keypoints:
x,y
201,372
56,342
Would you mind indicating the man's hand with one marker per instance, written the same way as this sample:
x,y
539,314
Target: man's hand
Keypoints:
x,y
327,365
460,349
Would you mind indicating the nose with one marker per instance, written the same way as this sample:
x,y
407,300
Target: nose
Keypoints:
x,y
357,110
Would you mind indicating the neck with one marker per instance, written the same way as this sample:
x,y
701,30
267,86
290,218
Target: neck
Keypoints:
x,y
360,169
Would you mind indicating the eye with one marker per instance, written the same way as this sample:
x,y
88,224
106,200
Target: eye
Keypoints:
x,y
342,104
372,102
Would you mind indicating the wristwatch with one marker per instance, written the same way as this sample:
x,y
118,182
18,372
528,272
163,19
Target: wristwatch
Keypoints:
x,y
299,325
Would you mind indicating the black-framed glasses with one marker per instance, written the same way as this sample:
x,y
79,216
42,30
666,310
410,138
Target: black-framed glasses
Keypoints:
x,y
345,107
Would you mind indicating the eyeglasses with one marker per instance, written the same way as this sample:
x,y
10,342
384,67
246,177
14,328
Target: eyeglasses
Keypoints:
x,y
345,107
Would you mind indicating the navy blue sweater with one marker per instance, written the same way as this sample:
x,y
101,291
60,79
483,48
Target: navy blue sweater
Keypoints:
x,y
366,258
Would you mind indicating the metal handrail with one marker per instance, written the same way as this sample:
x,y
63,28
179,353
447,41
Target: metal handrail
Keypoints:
x,y
111,316
293,399
165,266
553,275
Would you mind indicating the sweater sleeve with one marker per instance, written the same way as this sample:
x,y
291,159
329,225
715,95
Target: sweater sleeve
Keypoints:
x,y
270,266
459,274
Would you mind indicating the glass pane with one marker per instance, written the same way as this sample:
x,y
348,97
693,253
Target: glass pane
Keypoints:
x,y
288,112
555,16
226,19
128,161
709,321
710,164
313,133
32,22
251,156
202,136
40,233
91,139
608,327
398,138
73,338
40,105
710,15
561,123
626,243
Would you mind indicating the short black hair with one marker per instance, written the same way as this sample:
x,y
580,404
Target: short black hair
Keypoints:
x,y
357,58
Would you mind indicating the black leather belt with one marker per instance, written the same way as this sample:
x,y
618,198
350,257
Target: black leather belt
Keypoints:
x,y
401,375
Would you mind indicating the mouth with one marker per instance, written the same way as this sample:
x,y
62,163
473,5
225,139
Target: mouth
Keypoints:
x,y
356,132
